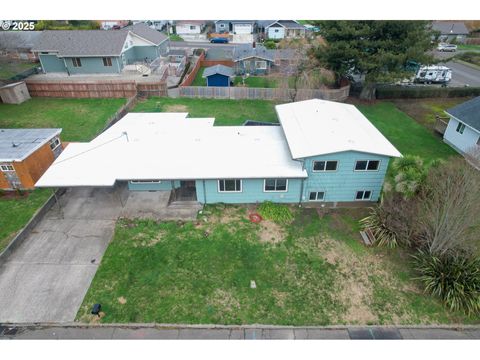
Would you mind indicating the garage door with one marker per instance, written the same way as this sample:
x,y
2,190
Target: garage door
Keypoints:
x,y
242,28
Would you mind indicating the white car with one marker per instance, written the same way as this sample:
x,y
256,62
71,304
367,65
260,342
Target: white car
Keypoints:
x,y
447,47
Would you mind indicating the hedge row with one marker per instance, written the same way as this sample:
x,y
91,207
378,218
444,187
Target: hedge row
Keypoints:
x,y
414,92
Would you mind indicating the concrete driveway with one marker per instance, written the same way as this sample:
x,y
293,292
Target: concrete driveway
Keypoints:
x,y
47,277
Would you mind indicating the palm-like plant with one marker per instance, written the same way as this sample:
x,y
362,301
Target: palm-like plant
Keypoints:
x,y
454,278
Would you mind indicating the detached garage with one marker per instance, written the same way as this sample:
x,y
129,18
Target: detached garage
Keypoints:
x,y
218,75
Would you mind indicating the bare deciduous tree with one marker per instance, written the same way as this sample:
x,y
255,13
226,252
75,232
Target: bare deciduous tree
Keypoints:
x,y
450,206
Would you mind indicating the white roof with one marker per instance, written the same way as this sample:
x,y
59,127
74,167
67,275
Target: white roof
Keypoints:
x,y
167,146
318,127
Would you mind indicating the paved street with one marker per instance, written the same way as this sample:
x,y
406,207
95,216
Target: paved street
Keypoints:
x,y
463,75
237,333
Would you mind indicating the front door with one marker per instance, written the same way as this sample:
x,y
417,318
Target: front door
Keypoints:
x,y
187,191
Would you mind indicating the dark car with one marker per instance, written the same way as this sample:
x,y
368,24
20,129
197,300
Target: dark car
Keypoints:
x,y
219,40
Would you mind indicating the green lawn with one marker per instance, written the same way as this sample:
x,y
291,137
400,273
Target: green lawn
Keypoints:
x,y
468,47
311,272
80,119
175,37
251,81
408,136
225,112
10,68
15,213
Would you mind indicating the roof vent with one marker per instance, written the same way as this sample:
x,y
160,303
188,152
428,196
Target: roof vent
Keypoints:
x,y
15,145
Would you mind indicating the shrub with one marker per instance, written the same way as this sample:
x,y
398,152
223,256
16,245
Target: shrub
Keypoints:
x,y
393,222
270,44
413,92
453,277
276,212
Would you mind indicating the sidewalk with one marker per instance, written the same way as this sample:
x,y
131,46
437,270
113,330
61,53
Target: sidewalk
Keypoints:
x,y
235,333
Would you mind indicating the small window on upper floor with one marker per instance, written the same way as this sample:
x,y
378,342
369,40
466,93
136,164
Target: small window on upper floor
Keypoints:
x,y
460,128
7,167
328,165
367,165
54,143
77,62
107,61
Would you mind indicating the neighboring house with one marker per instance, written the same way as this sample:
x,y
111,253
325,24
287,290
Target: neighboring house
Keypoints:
x,y
112,24
463,130
25,154
284,29
218,75
235,26
252,59
323,152
18,44
188,27
451,30
98,51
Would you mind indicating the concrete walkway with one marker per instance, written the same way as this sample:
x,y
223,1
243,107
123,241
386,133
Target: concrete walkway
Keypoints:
x,y
236,333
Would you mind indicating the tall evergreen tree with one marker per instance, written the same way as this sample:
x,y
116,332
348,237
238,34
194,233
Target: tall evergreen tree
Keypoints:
x,y
378,50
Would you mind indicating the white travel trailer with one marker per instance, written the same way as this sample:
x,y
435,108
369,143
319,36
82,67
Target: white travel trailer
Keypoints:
x,y
433,74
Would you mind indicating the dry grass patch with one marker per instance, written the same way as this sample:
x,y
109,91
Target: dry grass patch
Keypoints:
x,y
176,108
270,232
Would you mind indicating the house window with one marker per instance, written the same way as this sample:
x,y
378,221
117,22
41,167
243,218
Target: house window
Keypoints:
x,y
192,27
328,165
107,61
367,165
54,143
232,185
6,168
460,128
145,181
261,64
76,62
317,196
276,30
363,195
222,25
275,185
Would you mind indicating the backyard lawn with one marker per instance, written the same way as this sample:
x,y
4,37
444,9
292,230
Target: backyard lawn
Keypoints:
x,y
16,211
80,119
251,81
225,112
10,68
314,271
408,136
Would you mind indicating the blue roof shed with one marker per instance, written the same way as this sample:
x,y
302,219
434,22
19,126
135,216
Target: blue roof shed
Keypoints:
x,y
218,75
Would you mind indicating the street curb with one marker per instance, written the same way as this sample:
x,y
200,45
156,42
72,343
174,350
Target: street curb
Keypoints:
x,y
470,65
456,327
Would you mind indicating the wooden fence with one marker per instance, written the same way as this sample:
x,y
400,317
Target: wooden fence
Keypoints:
x,y
193,72
95,89
340,94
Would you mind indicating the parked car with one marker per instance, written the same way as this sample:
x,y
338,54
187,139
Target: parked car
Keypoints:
x,y
447,47
219,40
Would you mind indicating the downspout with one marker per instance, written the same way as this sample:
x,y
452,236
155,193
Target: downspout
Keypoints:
x,y
66,67
302,184
204,193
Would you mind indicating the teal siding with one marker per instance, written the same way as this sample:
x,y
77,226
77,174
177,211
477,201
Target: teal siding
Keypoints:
x,y
139,53
51,63
92,65
164,185
252,192
342,184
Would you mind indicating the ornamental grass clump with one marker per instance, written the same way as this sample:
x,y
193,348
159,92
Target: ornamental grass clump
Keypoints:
x,y
453,277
